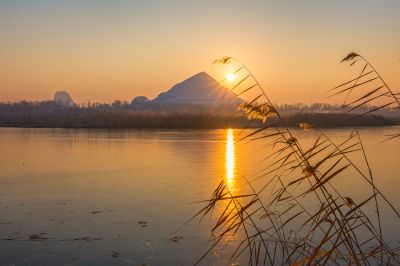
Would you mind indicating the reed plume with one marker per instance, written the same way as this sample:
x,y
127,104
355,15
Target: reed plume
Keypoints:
x,y
277,224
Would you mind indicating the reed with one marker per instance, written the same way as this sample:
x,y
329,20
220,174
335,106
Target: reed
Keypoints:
x,y
367,88
278,225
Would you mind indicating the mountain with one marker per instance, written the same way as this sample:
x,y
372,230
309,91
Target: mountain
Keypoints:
x,y
140,100
64,99
200,89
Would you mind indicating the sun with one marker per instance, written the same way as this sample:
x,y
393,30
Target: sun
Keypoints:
x,y
230,77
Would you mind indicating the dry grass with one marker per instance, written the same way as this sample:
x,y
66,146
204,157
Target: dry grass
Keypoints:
x,y
275,218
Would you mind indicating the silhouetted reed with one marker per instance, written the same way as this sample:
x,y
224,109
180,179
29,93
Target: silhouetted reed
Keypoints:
x,y
274,217
367,88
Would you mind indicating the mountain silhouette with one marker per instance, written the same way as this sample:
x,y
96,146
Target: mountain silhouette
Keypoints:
x,y
198,89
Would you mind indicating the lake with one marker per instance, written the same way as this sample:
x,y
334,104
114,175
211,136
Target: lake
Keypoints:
x,y
122,197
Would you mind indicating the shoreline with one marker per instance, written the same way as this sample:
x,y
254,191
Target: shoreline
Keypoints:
x,y
192,128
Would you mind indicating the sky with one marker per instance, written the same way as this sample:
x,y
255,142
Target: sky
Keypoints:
x,y
107,50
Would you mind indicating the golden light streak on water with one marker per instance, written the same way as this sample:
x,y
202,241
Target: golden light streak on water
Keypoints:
x,y
230,160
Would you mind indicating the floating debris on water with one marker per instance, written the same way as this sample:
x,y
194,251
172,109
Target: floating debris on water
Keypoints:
x,y
96,212
175,238
86,238
142,223
38,237
115,254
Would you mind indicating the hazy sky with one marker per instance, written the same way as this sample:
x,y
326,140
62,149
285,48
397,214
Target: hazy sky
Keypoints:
x,y
106,50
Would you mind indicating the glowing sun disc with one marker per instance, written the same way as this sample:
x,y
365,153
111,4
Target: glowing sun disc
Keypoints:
x,y
230,77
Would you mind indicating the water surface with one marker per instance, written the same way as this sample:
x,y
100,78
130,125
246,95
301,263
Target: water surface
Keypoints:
x,y
101,197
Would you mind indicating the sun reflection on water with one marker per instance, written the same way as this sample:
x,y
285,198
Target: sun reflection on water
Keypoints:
x,y
230,159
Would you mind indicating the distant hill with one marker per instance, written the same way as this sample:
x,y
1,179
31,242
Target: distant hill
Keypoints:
x,y
63,99
197,102
200,89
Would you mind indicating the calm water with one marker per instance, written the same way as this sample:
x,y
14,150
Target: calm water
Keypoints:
x,y
118,197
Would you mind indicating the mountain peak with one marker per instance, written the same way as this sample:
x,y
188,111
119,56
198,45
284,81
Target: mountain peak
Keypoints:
x,y
64,99
200,88
202,75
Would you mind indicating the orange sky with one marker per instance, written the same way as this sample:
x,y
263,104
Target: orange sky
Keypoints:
x,y
106,50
